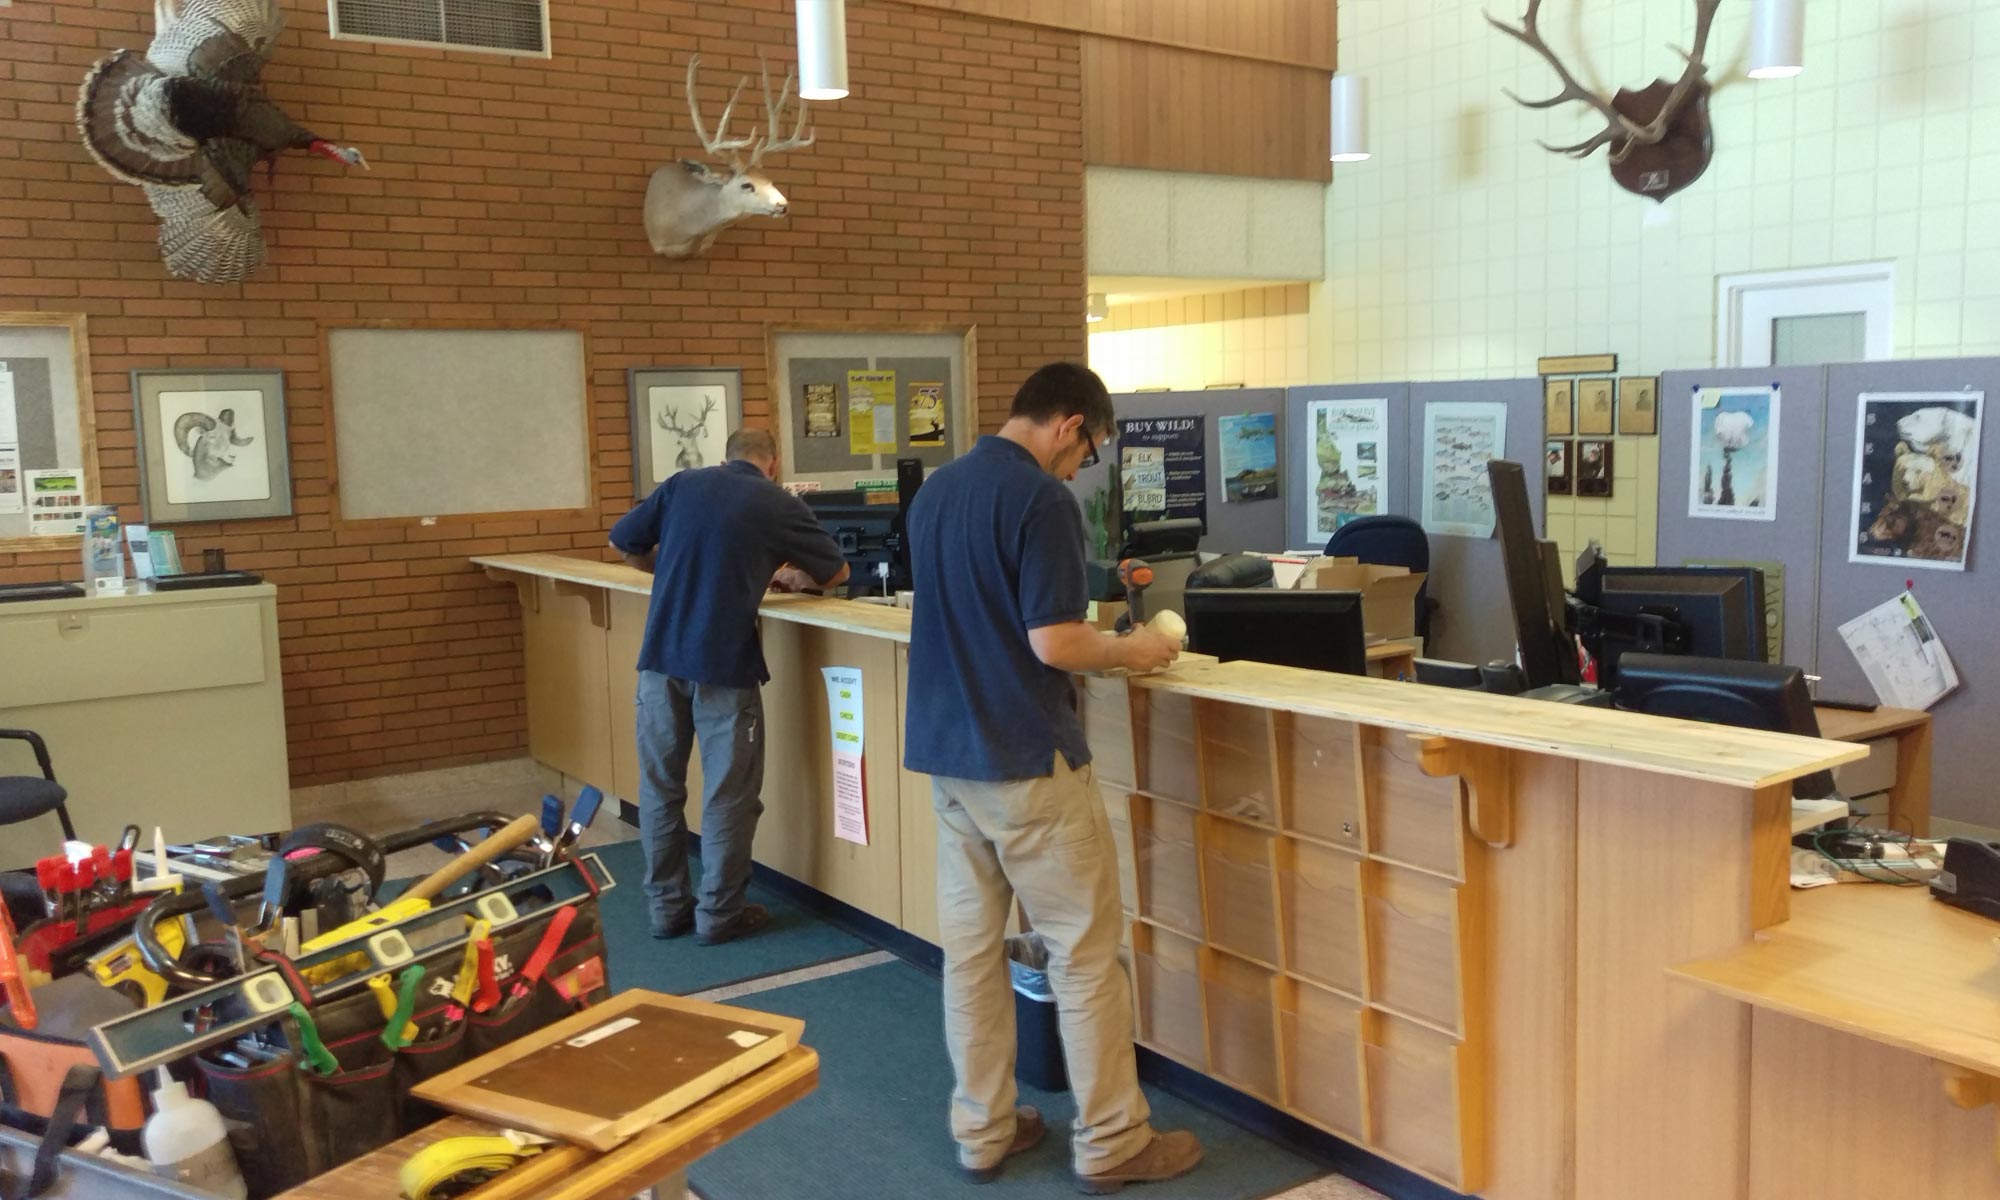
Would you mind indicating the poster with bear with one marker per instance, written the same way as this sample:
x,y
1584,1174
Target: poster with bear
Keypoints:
x,y
1916,475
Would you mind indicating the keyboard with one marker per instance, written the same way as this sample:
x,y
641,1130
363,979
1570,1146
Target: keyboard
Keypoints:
x,y
38,591
205,579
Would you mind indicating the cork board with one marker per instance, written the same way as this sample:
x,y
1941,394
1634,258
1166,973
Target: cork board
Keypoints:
x,y
442,422
48,423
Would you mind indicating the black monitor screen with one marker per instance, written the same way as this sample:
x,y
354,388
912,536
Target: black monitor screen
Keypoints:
x,y
1321,631
1540,626
1721,609
1748,695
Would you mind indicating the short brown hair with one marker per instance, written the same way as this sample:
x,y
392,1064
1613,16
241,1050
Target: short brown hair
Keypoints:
x,y
1061,390
747,444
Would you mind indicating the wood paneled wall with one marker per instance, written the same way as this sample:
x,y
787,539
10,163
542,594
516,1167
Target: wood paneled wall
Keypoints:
x,y
1178,110
1300,32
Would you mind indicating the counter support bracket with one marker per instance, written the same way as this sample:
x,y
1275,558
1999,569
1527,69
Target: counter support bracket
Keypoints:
x,y
1968,1089
1489,784
524,587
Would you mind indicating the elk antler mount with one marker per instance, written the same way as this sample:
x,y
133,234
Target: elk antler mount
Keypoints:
x,y
1659,136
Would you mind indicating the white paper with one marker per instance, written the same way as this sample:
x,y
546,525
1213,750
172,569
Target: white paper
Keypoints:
x,y
885,424
1901,654
850,789
215,448
1142,478
10,429
1347,470
10,480
137,541
1733,461
688,425
1916,476
55,502
1460,438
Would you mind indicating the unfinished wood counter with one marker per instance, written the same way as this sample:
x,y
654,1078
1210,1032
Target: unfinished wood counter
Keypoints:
x,y
1434,923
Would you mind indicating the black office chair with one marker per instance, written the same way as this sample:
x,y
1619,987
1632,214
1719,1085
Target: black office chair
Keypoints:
x,y
1393,542
24,797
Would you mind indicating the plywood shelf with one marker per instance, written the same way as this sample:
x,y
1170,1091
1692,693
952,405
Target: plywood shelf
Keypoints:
x,y
1166,865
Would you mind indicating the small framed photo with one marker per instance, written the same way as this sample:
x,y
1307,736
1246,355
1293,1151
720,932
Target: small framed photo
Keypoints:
x,y
1558,407
1594,412
1559,461
1593,468
1639,404
681,418
212,444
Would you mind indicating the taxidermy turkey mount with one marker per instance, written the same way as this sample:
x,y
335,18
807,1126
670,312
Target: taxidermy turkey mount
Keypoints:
x,y
689,204
188,124
1659,136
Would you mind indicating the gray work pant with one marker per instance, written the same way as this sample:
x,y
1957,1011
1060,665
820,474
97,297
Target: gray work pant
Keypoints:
x,y
1048,841
728,722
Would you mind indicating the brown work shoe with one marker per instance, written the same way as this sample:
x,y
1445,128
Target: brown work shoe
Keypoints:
x,y
1167,1156
1029,1129
750,920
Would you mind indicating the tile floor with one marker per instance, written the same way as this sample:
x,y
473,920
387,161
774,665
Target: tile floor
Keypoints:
x,y
517,785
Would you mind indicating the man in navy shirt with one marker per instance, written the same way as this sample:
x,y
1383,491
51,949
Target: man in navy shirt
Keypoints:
x,y
996,544
714,540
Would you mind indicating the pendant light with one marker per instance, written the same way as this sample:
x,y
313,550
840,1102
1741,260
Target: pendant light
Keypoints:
x,y
1777,38
822,49
1350,119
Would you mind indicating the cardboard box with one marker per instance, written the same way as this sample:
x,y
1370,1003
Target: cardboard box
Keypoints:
x,y
1388,594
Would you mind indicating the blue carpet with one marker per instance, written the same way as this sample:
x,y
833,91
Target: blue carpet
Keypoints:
x,y
794,938
876,1128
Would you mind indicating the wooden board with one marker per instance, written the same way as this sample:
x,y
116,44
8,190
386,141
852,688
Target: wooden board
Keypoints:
x,y
1166,109
1295,31
1852,725
600,1076
575,1173
1884,963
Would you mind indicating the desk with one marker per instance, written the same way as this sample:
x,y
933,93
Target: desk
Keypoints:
x,y
1394,659
1885,990
655,1158
1910,793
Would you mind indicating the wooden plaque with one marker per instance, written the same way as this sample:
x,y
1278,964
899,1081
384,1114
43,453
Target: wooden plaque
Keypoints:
x,y
1593,406
1557,407
603,1075
1638,404
1593,468
1577,364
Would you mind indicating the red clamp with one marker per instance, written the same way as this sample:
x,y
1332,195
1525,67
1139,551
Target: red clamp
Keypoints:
x,y
545,950
488,994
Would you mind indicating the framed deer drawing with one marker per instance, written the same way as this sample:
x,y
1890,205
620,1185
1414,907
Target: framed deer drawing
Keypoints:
x,y
681,417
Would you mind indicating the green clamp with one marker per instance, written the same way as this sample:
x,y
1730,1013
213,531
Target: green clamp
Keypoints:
x,y
401,1031
317,1056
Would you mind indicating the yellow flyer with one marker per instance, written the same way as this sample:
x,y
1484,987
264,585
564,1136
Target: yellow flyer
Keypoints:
x,y
871,412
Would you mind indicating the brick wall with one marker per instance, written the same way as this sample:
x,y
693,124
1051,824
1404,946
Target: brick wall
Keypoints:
x,y
947,189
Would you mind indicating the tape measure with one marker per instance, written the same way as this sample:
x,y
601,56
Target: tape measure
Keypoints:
x,y
455,1166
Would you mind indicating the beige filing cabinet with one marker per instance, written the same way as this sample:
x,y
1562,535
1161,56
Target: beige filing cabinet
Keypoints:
x,y
159,709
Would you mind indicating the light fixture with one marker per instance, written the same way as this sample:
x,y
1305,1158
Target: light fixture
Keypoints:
x,y
1350,119
1096,307
822,49
1777,38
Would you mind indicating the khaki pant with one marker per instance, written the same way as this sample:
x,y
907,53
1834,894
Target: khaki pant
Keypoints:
x,y
1048,841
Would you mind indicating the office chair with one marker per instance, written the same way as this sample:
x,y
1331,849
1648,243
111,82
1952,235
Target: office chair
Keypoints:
x,y
24,797
1393,542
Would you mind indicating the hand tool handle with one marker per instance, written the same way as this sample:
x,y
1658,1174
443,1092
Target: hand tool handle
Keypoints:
x,y
519,832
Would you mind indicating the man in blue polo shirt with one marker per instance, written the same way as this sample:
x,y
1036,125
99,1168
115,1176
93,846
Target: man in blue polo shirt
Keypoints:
x,y
996,545
714,540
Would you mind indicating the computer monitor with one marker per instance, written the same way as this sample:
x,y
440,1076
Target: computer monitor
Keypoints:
x,y
1709,612
1548,655
1748,695
1321,631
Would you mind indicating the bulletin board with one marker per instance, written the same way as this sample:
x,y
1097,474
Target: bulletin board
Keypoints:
x,y
833,385
47,423
444,422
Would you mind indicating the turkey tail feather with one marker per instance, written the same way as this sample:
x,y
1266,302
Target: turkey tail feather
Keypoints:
x,y
204,243
122,117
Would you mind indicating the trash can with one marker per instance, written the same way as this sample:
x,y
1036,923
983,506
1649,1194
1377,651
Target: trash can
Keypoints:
x,y
1038,1061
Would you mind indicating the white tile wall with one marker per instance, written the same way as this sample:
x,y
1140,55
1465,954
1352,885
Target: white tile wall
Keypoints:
x,y
1463,250
1256,338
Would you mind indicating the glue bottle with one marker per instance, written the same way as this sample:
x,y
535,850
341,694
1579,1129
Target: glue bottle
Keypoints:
x,y
185,1141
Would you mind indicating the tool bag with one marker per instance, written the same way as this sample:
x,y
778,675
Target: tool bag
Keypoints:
x,y
290,1122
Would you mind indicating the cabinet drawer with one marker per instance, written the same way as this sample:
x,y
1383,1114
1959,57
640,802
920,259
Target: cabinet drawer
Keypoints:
x,y
93,653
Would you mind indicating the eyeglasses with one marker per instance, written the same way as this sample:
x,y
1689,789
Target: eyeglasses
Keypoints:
x,y
1089,449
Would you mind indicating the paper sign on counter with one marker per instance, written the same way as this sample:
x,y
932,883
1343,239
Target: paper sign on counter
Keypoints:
x,y
850,788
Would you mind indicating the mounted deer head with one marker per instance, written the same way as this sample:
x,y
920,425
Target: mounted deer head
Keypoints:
x,y
688,433
1659,136
689,204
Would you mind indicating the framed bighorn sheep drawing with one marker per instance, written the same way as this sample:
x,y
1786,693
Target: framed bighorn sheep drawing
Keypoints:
x,y
1659,136
212,444
681,417
689,203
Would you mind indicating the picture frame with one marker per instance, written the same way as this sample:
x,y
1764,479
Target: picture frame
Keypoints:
x,y
212,444
1639,405
681,419
1596,410
48,454
1558,407
1594,471
1559,466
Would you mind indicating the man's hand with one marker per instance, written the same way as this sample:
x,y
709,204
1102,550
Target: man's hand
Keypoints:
x,y
791,579
1146,649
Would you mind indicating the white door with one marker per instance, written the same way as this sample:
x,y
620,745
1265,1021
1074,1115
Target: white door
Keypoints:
x,y
1805,317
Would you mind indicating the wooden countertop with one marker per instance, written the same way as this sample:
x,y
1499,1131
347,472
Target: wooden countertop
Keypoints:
x,y
1714,753
1852,725
1885,963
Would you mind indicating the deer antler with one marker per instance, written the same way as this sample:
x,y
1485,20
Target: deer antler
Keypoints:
x,y
1652,132
720,143
707,407
773,111
1617,125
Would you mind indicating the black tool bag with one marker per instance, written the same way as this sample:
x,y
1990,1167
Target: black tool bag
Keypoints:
x,y
289,1122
